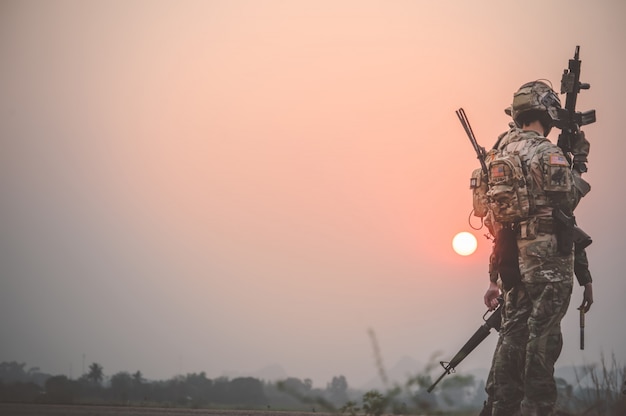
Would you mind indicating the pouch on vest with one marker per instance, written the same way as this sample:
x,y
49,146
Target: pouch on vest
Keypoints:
x,y
478,185
557,176
508,194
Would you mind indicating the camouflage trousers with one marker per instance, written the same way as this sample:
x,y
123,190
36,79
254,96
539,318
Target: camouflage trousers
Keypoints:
x,y
521,379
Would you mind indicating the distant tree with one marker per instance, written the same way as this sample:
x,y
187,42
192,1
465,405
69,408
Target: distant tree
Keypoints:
x,y
19,392
338,390
121,385
294,392
95,373
12,371
351,408
247,391
198,388
220,390
138,378
374,403
140,388
292,384
36,376
421,399
457,390
308,383
60,389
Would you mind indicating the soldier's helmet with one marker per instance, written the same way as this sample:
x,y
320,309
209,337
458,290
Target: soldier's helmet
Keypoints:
x,y
535,96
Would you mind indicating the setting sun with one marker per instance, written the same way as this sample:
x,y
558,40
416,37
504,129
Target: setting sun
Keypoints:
x,y
464,243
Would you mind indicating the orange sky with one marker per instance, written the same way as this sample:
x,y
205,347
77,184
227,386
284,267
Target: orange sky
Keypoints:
x,y
242,183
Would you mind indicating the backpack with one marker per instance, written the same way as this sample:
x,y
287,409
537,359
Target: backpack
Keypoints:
x,y
507,190
508,195
478,185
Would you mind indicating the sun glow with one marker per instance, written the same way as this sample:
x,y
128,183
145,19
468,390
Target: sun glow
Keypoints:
x,y
464,243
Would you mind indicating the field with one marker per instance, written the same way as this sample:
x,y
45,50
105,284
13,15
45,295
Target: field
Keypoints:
x,y
18,409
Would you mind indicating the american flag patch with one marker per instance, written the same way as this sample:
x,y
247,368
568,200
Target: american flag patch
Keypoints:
x,y
556,159
497,171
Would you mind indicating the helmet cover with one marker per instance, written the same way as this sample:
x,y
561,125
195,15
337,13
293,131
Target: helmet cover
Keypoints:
x,y
535,95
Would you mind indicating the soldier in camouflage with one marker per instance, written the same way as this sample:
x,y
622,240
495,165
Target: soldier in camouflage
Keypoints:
x,y
504,266
538,280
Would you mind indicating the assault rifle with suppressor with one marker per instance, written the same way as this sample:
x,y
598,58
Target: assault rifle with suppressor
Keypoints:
x,y
493,322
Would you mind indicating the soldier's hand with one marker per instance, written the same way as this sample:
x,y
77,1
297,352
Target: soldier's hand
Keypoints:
x,y
491,296
587,298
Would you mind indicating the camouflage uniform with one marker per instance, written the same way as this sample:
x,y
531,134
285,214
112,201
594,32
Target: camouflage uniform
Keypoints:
x,y
537,285
530,337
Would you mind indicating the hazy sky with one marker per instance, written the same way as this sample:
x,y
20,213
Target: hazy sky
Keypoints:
x,y
220,186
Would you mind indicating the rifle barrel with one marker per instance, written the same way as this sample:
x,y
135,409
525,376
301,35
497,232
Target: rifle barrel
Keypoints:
x,y
479,336
430,389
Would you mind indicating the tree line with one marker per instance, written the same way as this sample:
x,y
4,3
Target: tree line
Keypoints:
x,y
17,384
599,388
196,390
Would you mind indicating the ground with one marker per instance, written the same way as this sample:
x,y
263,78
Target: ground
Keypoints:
x,y
18,409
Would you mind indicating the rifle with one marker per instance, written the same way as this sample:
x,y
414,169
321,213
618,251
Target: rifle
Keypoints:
x,y
493,322
480,151
570,120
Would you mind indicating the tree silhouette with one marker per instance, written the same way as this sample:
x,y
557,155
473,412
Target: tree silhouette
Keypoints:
x,y
95,373
338,390
13,371
121,385
247,391
138,378
60,389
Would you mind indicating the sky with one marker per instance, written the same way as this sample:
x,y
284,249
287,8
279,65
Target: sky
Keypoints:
x,y
223,186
